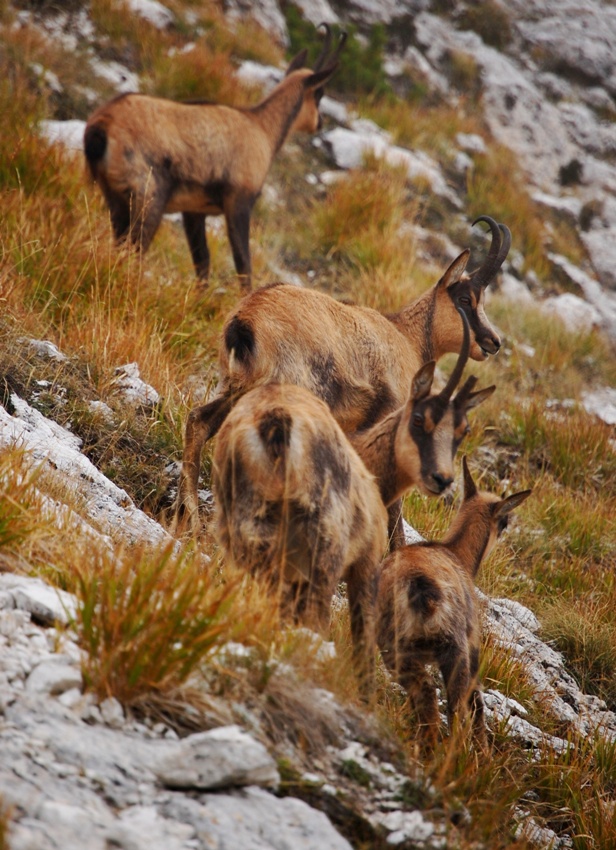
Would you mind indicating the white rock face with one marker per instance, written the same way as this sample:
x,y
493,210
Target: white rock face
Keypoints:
x,y
265,12
135,391
602,403
157,14
350,147
575,313
221,758
106,504
88,786
69,134
517,113
317,12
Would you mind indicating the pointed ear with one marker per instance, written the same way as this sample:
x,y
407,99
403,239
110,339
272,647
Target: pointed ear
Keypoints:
x,y
455,270
297,62
475,399
422,382
319,78
470,488
510,503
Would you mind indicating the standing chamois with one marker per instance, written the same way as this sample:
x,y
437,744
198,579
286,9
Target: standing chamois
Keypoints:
x,y
360,362
299,503
427,611
152,156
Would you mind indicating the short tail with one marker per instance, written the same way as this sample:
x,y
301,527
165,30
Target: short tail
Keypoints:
x,y
240,341
95,145
275,432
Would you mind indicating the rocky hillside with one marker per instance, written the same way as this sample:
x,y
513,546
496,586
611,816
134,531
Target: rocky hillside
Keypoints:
x,y
263,742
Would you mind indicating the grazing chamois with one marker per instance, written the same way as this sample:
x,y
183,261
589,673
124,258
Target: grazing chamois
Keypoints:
x,y
427,611
152,156
298,502
360,362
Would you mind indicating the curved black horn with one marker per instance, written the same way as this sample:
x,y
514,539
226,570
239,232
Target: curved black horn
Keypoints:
x,y
454,378
327,44
501,242
323,57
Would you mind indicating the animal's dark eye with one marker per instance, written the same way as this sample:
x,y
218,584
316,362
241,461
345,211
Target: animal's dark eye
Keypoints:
x,y
418,420
464,300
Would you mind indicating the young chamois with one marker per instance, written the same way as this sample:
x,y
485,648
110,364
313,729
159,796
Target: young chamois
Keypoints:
x,y
152,156
358,361
300,504
427,611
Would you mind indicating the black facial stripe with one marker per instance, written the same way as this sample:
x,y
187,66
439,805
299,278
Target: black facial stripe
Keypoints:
x,y
478,328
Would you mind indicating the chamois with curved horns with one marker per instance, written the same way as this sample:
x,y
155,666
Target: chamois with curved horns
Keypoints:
x,y
299,503
357,360
152,156
427,612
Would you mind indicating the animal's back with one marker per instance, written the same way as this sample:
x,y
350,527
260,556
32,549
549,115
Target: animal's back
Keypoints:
x,y
424,593
289,486
351,357
198,144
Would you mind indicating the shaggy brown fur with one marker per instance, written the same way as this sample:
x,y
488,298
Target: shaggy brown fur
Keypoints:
x,y
358,361
152,156
427,611
294,502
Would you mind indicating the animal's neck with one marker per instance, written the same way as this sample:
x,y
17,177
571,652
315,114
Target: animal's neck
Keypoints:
x,y
377,449
417,323
278,111
468,538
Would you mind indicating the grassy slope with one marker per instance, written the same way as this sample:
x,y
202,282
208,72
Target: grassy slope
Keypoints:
x,y
61,278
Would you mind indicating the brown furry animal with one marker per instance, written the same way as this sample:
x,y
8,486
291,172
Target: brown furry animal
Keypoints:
x,y
427,611
152,156
294,501
358,361
295,504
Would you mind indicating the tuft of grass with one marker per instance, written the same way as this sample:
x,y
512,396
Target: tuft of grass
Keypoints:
x,y
584,630
464,72
573,447
200,74
490,20
148,622
359,227
17,500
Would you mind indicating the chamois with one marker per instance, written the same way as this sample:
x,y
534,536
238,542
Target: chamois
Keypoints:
x,y
297,501
427,611
357,360
152,156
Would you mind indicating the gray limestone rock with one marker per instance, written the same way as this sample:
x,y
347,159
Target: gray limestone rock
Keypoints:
x,y
221,758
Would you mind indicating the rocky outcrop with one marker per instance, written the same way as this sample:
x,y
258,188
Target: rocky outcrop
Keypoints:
x,y
83,774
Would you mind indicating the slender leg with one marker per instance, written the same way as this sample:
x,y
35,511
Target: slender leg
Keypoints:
x,y
194,228
454,666
421,692
476,704
119,212
237,211
203,422
361,589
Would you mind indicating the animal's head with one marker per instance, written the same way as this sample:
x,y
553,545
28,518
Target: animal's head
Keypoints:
x,y
313,81
494,510
434,424
458,290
